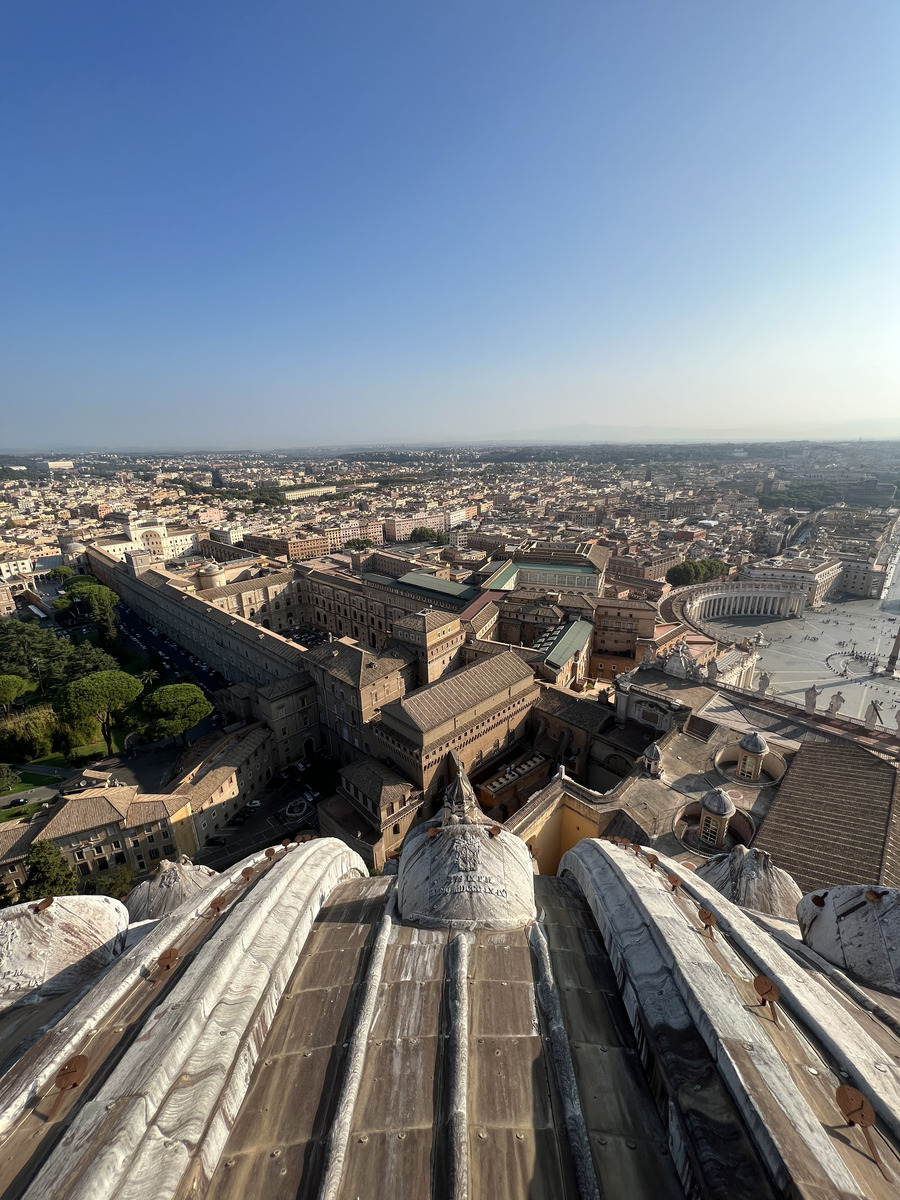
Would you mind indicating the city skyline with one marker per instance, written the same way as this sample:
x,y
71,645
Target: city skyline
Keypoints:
x,y
392,226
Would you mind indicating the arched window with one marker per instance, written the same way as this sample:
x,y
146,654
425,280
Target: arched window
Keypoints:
x,y
746,767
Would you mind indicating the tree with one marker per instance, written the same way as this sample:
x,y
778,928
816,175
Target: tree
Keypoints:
x,y
87,659
61,573
176,708
358,544
40,656
11,688
148,677
9,779
48,873
117,883
31,734
697,570
100,696
84,592
423,534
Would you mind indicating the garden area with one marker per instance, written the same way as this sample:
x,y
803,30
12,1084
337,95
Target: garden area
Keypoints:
x,y
12,781
68,699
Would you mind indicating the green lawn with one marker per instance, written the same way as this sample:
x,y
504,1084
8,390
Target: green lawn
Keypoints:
x,y
29,780
13,814
99,747
52,760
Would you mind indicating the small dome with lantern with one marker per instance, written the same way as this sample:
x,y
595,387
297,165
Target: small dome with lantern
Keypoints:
x,y
718,803
754,743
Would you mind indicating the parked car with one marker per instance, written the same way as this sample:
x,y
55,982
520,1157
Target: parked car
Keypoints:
x,y
217,841
253,804
18,800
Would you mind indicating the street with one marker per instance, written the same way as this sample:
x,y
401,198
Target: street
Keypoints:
x,y
174,660
266,826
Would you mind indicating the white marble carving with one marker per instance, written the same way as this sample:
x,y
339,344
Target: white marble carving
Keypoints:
x,y
857,928
750,878
172,884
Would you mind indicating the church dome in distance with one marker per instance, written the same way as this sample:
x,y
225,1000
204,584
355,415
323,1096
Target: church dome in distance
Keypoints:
x,y
754,743
718,803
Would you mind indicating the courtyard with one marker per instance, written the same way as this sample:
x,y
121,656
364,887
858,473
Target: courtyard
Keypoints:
x,y
841,649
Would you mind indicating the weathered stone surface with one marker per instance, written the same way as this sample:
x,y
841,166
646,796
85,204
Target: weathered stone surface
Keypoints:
x,y
60,948
172,884
858,929
464,877
465,873
751,879
174,1095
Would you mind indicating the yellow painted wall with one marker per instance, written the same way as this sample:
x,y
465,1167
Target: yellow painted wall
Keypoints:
x,y
575,826
546,840
183,831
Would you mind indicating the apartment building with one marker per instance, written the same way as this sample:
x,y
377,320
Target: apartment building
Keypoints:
x,y
863,579
100,829
651,566
436,640
7,603
295,547
372,810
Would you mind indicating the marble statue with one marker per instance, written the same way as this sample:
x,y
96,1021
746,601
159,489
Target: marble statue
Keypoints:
x,y
809,697
835,704
763,686
873,715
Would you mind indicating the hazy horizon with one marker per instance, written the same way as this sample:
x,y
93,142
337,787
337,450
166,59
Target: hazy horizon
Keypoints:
x,y
629,437
360,225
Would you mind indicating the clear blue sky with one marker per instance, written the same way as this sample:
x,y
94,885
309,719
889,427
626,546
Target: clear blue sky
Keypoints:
x,y
278,223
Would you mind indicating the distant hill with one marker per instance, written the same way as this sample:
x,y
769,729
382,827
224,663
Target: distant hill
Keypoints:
x,y
883,427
